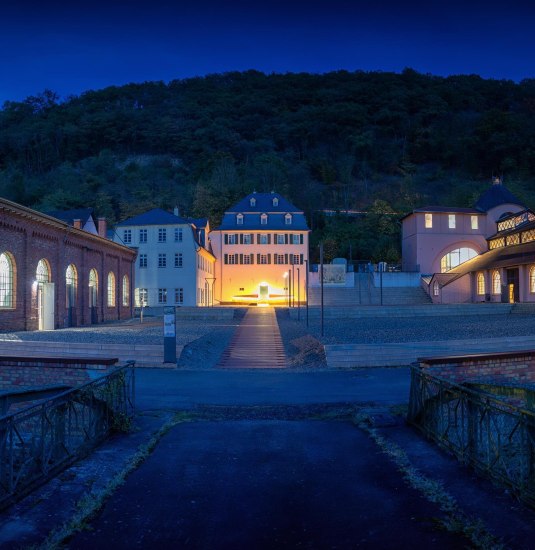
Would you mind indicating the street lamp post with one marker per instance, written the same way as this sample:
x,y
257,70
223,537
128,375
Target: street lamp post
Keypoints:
x,y
306,287
298,296
286,288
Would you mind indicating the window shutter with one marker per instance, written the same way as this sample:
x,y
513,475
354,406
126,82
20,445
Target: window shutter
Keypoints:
x,y
252,258
275,260
301,239
286,259
258,238
258,258
269,258
236,238
226,258
275,238
241,238
269,238
226,238
301,259
241,258
252,238
236,258
286,238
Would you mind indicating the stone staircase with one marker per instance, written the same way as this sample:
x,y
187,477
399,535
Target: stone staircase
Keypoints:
x,y
143,355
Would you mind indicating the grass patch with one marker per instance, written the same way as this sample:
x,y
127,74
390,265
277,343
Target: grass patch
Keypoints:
x,y
89,505
455,520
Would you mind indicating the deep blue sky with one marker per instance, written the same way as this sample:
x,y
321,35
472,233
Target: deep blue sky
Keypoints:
x,y
74,46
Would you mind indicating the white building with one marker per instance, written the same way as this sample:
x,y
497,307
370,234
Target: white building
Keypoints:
x,y
173,265
262,251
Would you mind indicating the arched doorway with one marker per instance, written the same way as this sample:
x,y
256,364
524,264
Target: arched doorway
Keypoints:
x,y
93,296
71,284
45,296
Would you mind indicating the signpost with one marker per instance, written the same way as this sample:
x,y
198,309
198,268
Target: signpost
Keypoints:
x,y
169,334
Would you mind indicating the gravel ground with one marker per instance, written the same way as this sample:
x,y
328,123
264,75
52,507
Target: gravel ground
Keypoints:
x,y
418,329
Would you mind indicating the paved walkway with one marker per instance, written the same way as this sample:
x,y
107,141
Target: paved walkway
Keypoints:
x,y
256,343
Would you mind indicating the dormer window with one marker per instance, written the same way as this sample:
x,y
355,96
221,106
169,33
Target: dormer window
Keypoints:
x,y
275,201
288,219
252,202
263,219
239,219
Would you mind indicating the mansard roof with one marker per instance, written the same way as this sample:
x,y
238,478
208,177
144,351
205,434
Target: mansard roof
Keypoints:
x,y
496,195
156,216
263,204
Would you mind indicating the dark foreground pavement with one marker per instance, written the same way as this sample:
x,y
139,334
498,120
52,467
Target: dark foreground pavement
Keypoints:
x,y
269,459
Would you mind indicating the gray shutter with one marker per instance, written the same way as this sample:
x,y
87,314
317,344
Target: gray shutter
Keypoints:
x,y
241,258
301,239
241,238
285,238
252,258
258,238
252,238
286,259
226,258
301,259
274,238
236,238
258,258
269,238
269,258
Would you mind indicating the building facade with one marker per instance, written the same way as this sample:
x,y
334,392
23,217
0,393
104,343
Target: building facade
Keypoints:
x,y
173,266
54,275
484,254
262,252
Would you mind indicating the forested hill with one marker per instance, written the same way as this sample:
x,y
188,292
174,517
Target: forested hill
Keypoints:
x,y
380,142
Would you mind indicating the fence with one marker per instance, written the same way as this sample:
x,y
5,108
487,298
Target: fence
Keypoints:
x,y
496,437
39,441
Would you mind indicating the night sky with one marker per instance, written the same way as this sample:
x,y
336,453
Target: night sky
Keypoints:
x,y
75,46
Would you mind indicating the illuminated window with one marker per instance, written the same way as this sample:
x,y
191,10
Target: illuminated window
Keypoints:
x,y
143,299
126,291
474,222
6,281
71,282
127,236
93,288
111,289
42,273
455,258
162,260
436,288
178,235
496,282
142,260
532,278
162,295
428,221
142,235
480,284
239,219
178,259
451,221
288,219
263,219
162,235
179,295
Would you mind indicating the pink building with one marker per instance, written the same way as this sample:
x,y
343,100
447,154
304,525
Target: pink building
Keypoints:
x,y
475,254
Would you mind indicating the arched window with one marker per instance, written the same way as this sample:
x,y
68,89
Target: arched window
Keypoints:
x,y
263,219
532,278
436,288
93,288
239,219
71,282
456,257
126,291
480,284
252,202
7,281
496,282
288,219
275,201
42,273
111,289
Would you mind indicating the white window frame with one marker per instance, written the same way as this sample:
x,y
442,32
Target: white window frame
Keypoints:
x,y
127,236
162,260
239,219
179,259
428,220
474,222
288,219
143,261
263,219
246,238
280,239
452,222
142,235
162,296
162,235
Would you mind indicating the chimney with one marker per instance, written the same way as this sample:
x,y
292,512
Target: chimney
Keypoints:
x,y
176,211
102,227
77,224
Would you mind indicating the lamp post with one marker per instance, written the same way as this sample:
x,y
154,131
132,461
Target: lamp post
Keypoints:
x,y
285,276
321,281
298,296
306,287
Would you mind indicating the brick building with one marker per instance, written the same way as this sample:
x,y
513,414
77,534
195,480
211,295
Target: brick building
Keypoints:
x,y
54,275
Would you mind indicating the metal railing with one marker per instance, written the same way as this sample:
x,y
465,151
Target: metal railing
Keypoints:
x,y
496,437
39,441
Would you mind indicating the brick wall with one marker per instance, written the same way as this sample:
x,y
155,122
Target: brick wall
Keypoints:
x,y
17,376
28,236
506,367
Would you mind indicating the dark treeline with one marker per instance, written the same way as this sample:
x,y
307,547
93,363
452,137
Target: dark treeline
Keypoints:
x,y
376,142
